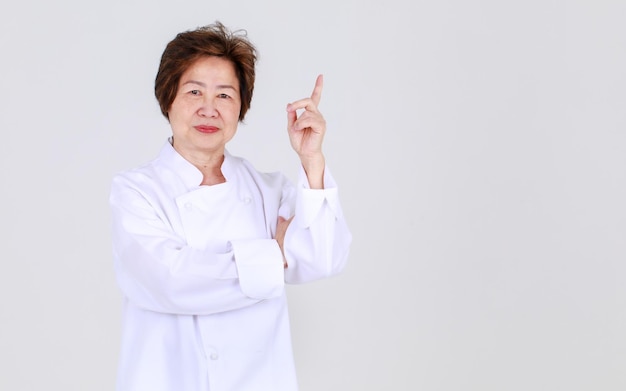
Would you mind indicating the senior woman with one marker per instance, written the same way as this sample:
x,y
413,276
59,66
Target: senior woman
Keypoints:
x,y
204,243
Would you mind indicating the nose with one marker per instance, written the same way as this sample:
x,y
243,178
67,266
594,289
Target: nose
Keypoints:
x,y
208,108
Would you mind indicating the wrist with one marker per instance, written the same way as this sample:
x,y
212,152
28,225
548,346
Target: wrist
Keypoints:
x,y
313,161
314,168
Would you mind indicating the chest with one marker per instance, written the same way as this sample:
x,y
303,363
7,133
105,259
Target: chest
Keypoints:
x,y
212,215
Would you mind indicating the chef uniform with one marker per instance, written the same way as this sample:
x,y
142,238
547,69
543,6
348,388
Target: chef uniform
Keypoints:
x,y
203,279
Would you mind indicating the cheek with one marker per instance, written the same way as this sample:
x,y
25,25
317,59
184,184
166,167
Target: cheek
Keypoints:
x,y
232,111
178,119
180,110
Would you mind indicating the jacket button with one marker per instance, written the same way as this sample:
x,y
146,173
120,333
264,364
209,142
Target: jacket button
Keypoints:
x,y
188,206
247,200
214,356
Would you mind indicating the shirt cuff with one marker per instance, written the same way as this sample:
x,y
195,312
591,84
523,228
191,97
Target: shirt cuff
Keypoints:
x,y
260,267
309,201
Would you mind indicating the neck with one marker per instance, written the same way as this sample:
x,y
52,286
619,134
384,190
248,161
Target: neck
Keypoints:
x,y
211,170
213,178
209,164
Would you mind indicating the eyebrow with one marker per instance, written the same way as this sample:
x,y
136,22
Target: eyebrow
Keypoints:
x,y
201,84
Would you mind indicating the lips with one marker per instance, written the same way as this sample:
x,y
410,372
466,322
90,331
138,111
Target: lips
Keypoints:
x,y
206,128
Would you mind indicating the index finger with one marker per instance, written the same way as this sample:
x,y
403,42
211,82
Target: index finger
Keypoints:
x,y
317,91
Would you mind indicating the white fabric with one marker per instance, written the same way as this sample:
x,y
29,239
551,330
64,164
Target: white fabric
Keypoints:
x,y
203,280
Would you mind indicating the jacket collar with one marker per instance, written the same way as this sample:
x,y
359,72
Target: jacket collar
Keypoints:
x,y
187,172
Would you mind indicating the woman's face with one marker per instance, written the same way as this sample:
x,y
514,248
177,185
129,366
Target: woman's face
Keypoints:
x,y
205,112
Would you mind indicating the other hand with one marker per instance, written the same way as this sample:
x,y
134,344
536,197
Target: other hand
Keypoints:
x,y
281,229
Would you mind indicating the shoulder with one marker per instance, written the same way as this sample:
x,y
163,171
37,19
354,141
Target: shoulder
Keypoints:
x,y
135,183
167,172
137,175
269,178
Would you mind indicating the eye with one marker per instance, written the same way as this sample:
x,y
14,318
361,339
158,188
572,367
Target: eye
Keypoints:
x,y
223,96
195,92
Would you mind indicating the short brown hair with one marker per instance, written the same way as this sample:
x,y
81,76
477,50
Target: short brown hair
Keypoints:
x,y
211,40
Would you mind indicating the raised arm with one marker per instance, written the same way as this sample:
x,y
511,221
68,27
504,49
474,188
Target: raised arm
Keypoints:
x,y
306,133
316,240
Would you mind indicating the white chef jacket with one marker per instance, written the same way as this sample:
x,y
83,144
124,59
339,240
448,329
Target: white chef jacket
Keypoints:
x,y
203,280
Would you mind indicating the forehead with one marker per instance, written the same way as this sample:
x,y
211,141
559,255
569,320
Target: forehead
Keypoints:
x,y
211,70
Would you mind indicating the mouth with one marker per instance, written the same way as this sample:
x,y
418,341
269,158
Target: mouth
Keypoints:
x,y
206,128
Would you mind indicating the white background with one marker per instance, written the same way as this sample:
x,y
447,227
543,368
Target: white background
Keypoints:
x,y
480,148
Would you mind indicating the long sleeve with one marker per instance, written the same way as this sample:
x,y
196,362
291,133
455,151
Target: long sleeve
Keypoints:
x,y
318,239
158,270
